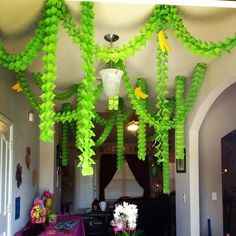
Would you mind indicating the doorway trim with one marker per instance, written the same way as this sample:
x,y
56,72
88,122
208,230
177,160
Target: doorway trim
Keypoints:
x,y
8,122
193,153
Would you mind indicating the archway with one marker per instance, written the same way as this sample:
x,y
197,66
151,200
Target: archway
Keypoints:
x,y
219,120
187,185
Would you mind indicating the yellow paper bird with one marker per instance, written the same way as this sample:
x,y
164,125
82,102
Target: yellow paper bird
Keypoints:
x,y
140,94
163,42
17,87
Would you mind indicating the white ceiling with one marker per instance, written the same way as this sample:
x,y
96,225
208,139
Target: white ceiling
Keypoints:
x,y
18,19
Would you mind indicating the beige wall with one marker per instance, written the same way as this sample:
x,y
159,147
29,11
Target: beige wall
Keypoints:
x,y
15,107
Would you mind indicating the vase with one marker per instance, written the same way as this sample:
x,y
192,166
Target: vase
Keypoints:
x,y
102,205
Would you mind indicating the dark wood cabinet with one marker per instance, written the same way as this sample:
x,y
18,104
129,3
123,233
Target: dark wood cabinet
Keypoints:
x,y
97,223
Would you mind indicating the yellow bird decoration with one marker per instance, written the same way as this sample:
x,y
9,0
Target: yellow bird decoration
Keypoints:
x,y
163,42
17,87
140,94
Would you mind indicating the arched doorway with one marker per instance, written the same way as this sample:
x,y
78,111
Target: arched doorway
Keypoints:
x,y
219,120
215,82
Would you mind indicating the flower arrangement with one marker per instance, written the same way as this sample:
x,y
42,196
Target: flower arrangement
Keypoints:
x,y
125,219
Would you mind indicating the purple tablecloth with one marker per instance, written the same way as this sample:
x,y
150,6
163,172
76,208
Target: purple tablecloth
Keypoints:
x,y
77,230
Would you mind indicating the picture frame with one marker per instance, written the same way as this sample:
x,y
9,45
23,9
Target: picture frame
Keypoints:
x,y
181,164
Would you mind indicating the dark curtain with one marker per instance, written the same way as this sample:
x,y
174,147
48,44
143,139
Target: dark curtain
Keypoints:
x,y
140,170
107,171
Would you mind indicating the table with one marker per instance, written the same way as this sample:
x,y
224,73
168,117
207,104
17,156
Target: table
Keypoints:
x,y
77,230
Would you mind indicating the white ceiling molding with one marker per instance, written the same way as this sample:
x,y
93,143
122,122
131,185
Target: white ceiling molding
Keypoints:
x,y
203,3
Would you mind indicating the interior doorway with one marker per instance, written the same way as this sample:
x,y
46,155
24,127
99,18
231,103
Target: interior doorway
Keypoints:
x,y
228,147
6,129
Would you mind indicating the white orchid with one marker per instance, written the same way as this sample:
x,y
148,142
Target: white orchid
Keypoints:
x,y
125,216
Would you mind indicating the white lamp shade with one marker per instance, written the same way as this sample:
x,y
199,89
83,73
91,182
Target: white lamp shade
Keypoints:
x,y
111,81
133,126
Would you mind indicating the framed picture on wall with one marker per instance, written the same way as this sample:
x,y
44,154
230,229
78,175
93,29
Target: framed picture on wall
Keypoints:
x,y
181,164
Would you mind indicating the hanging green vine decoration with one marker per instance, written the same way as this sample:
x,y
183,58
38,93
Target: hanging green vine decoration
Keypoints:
x,y
98,90
134,45
195,86
86,102
72,115
71,91
107,130
179,126
183,107
163,115
27,90
65,138
73,127
169,112
141,83
47,107
196,46
69,24
23,59
120,136
139,107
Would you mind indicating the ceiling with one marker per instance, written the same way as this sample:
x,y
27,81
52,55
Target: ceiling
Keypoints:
x,y
18,19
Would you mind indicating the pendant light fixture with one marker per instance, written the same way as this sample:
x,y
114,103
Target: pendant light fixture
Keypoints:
x,y
133,124
111,77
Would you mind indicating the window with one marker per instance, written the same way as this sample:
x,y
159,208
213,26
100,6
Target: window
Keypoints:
x,y
123,183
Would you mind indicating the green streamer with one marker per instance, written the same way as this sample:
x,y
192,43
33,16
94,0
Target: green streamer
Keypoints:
x,y
196,46
23,59
65,138
86,103
163,115
165,163
120,136
179,127
139,107
142,126
71,91
195,86
47,107
73,127
183,107
27,90
107,130
81,118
